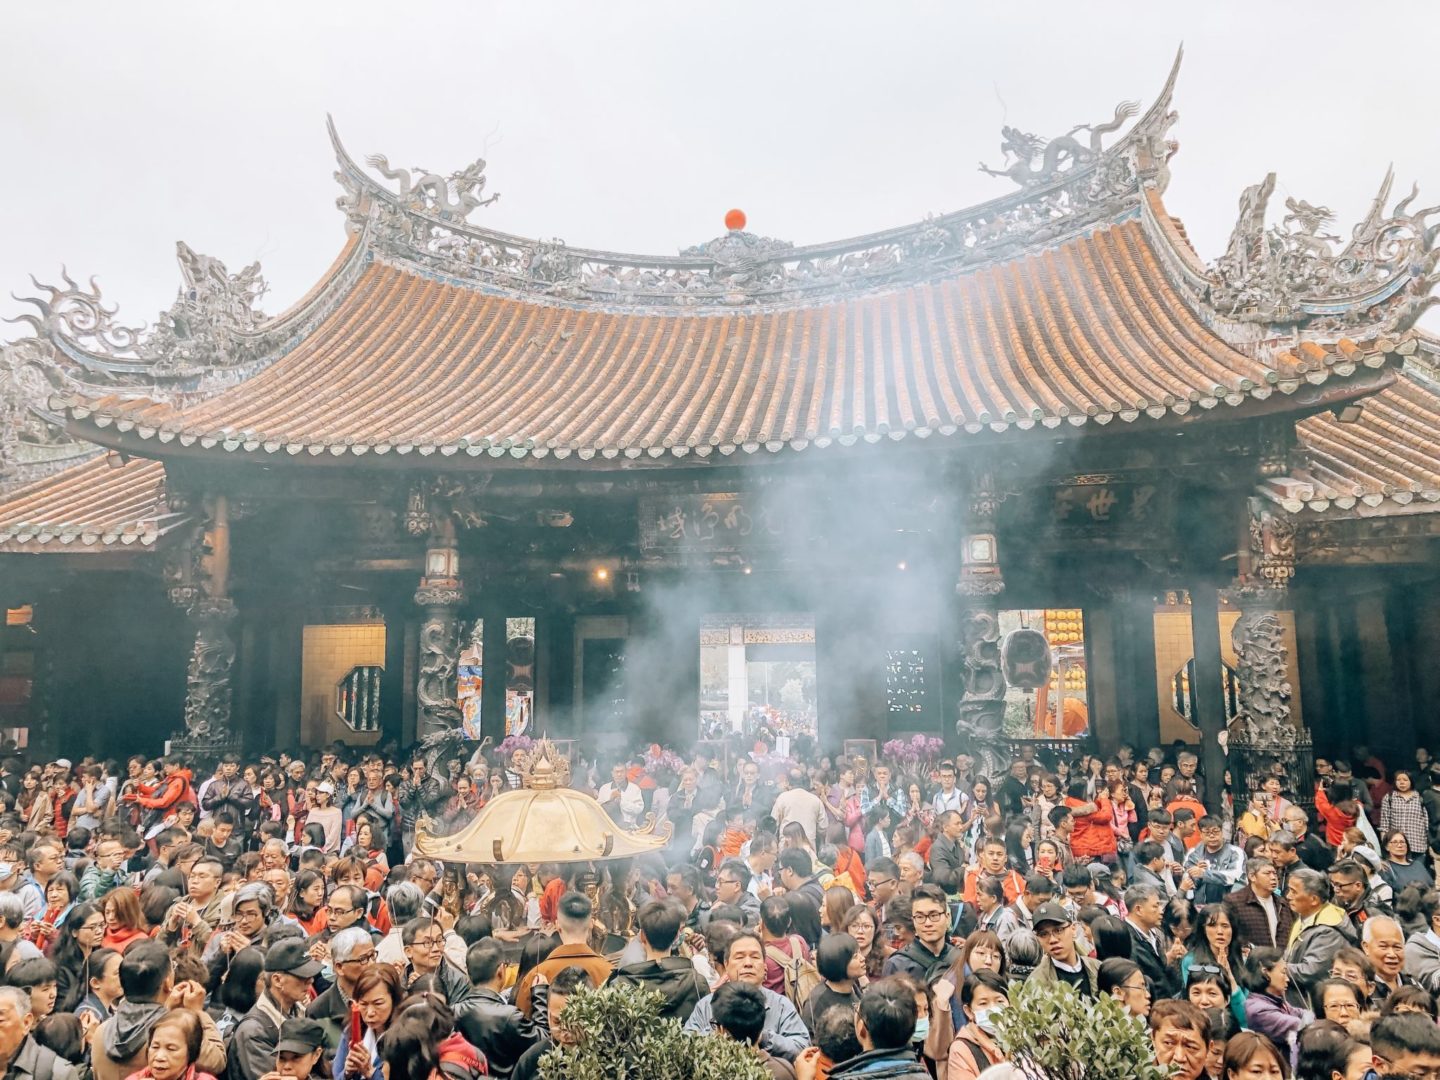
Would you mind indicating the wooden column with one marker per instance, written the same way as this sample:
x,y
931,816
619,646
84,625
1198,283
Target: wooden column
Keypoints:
x,y
1209,688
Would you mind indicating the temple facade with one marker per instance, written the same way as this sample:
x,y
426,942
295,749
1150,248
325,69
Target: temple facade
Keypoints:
x,y
1029,470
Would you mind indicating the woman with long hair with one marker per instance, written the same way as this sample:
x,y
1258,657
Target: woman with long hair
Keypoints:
x,y
36,807
1178,919
838,902
124,921
78,937
877,833
1213,944
859,923
307,902
1123,980
1019,846
377,996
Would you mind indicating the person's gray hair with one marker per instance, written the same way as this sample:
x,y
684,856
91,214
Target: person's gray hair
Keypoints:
x,y
258,892
17,997
347,943
1313,882
1140,892
1373,923
1186,755
405,901
914,860
12,910
1024,951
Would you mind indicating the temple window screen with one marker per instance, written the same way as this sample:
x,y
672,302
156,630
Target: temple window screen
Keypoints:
x,y
357,698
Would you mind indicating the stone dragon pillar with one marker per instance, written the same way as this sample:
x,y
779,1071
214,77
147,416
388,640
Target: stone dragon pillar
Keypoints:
x,y
440,594
199,582
1263,734
981,723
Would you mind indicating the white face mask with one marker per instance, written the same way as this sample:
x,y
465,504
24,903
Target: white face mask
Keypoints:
x,y
985,1018
922,1028
6,870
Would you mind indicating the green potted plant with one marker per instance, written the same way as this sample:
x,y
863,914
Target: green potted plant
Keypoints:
x,y
1049,1032
617,1034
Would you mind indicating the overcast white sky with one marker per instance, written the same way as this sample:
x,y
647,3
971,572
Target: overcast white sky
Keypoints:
x,y
631,126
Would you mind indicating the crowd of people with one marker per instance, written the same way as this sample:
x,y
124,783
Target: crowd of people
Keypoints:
x,y
268,919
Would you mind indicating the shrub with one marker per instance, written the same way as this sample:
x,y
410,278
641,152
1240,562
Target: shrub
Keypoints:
x,y
1050,1032
620,1036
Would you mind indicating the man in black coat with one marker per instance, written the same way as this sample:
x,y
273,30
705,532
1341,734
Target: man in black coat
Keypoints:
x,y
673,977
489,1022
1157,959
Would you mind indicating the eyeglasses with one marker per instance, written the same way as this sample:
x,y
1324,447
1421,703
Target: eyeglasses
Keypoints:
x,y
428,943
879,882
368,958
342,910
1208,969
1143,988
726,881
927,916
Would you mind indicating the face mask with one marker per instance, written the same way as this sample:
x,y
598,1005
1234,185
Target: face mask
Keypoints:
x,y
985,1018
922,1028
6,870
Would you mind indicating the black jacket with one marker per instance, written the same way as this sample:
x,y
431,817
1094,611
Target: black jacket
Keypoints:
x,y
920,962
674,978
1164,980
497,1028
947,863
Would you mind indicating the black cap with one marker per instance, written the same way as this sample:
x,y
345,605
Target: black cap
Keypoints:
x,y
1050,912
299,1035
290,957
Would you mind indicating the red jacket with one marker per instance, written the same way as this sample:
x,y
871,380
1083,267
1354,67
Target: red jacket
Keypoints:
x,y
1336,820
175,788
1093,835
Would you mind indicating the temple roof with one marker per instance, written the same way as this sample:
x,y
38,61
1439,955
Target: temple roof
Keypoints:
x,y
1074,303
93,505
1378,456
1090,331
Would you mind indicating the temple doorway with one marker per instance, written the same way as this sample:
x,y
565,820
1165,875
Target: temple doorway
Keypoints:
x,y
757,676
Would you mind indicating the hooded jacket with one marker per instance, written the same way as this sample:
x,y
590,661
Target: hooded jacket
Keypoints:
x,y
674,978
173,789
123,1039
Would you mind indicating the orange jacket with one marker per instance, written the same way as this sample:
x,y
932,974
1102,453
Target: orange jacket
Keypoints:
x,y
1093,835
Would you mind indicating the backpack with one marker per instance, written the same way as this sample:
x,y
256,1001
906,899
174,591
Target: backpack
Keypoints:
x,y
801,976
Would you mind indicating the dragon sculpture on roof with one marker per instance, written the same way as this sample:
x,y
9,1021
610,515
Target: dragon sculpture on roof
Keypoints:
x,y
1033,160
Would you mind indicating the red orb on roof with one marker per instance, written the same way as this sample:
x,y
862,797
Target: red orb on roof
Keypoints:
x,y
735,220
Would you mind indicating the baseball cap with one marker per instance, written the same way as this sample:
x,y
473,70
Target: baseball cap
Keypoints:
x,y
291,958
1047,912
300,1035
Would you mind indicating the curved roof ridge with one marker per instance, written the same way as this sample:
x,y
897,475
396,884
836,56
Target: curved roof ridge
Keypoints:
x,y
1066,188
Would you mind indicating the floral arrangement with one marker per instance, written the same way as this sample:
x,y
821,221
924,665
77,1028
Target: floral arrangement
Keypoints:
x,y
915,758
662,759
513,743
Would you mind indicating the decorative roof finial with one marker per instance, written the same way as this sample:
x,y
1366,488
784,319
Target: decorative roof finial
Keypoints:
x,y
735,220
